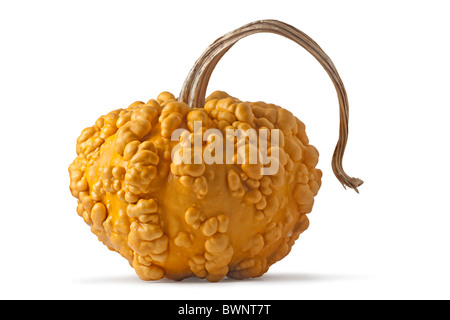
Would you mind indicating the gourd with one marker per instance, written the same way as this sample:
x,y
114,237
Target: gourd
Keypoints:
x,y
209,220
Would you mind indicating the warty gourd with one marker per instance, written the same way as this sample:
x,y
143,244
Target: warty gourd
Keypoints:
x,y
179,220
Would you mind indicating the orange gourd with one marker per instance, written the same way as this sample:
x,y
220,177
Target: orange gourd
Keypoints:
x,y
176,220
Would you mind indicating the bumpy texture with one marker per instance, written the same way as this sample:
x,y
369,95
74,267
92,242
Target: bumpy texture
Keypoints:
x,y
182,220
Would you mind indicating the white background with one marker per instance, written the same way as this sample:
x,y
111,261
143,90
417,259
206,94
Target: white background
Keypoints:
x,y
65,63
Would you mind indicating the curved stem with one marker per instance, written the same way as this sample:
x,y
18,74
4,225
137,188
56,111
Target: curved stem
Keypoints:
x,y
194,88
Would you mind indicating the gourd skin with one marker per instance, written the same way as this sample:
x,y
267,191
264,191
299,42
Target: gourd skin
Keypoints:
x,y
182,220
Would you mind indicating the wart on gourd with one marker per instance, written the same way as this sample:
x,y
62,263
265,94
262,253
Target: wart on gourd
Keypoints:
x,y
178,220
